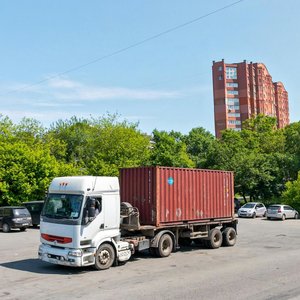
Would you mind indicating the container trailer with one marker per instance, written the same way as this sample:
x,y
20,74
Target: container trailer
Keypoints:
x,y
101,221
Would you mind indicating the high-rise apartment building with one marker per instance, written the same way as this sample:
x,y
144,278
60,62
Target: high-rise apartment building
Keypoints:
x,y
243,90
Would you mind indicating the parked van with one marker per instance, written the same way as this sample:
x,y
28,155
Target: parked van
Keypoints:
x,y
35,208
12,217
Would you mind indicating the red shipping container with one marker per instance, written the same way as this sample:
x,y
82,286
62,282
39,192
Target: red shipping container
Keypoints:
x,y
168,196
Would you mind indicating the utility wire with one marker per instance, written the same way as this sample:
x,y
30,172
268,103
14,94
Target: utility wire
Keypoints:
x,y
121,50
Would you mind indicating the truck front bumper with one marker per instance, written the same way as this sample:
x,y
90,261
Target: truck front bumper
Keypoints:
x,y
66,256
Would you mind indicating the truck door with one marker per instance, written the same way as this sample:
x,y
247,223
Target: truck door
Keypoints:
x,y
99,213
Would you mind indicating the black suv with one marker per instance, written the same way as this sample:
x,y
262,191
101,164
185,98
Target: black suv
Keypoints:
x,y
35,208
14,217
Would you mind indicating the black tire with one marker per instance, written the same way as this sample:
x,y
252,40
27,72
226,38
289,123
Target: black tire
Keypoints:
x,y
254,215
264,215
229,237
105,257
152,251
23,229
185,241
199,241
215,239
165,246
296,216
206,243
5,227
268,218
283,217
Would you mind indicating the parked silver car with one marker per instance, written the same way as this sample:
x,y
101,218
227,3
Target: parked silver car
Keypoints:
x,y
252,210
280,211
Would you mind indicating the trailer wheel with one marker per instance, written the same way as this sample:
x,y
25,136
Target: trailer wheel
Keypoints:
x,y
165,246
229,236
105,257
215,239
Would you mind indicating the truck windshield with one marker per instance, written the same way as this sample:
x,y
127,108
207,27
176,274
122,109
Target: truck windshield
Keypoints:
x,y
62,206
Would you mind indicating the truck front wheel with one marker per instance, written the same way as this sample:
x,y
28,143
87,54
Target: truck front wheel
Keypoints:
x,y
105,257
165,246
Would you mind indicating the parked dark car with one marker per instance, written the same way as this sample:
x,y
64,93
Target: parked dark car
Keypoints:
x,y
35,208
237,205
12,217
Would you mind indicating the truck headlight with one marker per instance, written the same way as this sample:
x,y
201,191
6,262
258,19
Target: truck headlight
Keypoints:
x,y
77,253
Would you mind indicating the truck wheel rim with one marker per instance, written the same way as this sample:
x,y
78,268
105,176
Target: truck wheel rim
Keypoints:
x,y
104,257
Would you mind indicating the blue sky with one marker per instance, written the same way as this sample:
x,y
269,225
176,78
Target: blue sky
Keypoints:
x,y
165,83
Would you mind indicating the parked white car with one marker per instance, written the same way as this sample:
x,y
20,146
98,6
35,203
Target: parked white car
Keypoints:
x,y
280,211
252,210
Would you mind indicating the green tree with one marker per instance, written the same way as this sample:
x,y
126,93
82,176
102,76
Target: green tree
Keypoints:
x,y
169,149
26,172
200,143
116,144
69,140
257,157
292,147
291,195
26,163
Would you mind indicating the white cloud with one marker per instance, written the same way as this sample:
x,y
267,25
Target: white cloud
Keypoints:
x,y
62,98
60,91
66,89
63,83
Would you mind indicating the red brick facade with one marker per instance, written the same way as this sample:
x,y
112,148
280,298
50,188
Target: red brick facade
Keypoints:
x,y
242,90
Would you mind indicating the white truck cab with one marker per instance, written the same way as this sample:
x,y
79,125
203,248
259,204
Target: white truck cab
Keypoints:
x,y
80,223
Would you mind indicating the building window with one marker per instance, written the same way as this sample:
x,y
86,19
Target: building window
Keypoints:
x,y
232,84
220,68
233,107
235,115
234,122
231,73
232,92
220,77
236,129
233,101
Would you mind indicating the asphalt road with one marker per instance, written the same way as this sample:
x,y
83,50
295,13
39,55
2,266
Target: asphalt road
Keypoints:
x,y
264,264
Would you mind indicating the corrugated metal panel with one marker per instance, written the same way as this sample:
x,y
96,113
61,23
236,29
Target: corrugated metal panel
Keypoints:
x,y
138,187
174,195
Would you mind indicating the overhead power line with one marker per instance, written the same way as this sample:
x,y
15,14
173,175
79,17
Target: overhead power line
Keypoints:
x,y
121,50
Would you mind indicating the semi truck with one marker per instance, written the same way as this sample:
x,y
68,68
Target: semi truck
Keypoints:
x,y
102,221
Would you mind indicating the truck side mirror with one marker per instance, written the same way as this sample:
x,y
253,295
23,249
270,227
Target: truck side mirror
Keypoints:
x,y
91,203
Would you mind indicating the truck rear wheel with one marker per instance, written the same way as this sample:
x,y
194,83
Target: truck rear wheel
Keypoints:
x,y
229,236
165,246
105,257
215,239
